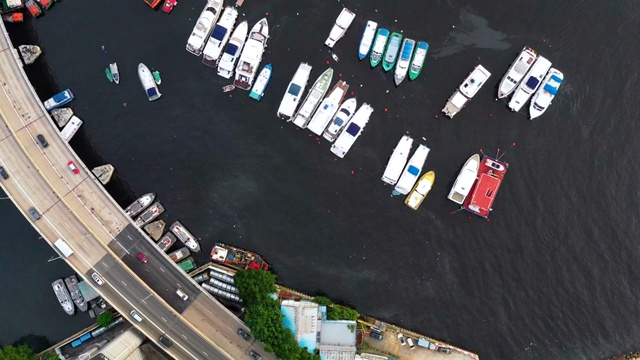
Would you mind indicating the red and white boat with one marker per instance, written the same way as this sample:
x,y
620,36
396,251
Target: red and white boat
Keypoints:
x,y
484,191
152,3
168,5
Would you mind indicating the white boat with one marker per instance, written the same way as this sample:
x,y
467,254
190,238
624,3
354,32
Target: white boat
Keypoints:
x,y
352,131
466,91
529,84
185,236
341,119
204,24
113,67
420,190
294,91
405,59
412,170
398,160
338,30
257,91
516,72
232,51
64,298
545,94
465,180
71,128
328,108
219,36
148,83
366,41
251,55
313,98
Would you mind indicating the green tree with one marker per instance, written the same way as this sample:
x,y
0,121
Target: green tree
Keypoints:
x,y
322,300
339,312
10,352
52,356
105,319
255,286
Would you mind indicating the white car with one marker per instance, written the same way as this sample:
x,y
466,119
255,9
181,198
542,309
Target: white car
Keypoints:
x,y
410,342
97,279
401,338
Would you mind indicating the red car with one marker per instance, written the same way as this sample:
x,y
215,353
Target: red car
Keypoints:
x,y
73,167
143,258
168,5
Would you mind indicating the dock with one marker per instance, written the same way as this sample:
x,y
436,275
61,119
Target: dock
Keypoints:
x,y
104,173
155,229
62,116
29,53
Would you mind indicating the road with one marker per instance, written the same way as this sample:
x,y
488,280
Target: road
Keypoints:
x,y
76,208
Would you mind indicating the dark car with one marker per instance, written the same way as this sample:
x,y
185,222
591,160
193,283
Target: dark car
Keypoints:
x,y
244,334
255,355
444,350
3,173
34,214
165,341
143,258
376,335
42,140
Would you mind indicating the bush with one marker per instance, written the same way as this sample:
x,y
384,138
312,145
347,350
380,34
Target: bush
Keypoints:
x,y
10,352
105,319
322,300
339,312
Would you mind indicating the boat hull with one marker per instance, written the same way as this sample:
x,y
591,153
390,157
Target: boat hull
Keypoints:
x,y
405,58
148,82
412,170
201,31
328,108
341,119
340,27
420,190
397,160
232,51
529,83
219,37
465,180
516,72
352,131
313,99
491,173
115,73
60,99
546,93
418,59
366,41
257,91
294,92
251,55
391,52
377,50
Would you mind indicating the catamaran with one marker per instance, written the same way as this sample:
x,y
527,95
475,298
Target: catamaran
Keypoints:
x,y
257,91
405,58
545,94
328,108
341,119
417,62
294,91
366,41
530,83
251,55
420,190
380,43
465,180
391,52
311,102
219,36
397,160
352,131
411,171
232,50
338,30
466,91
203,27
516,72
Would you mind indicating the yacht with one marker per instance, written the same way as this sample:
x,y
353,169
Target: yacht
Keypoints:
x,y
366,41
219,36
64,298
328,108
379,44
341,119
352,131
530,83
251,55
338,30
398,160
420,190
465,180
405,59
115,73
417,62
185,236
140,204
516,72
148,83
466,91
60,99
203,27
315,95
294,91
257,91
545,94
231,52
412,170
149,215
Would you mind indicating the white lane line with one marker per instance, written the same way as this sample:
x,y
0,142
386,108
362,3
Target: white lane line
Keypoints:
x,y
161,269
163,319
125,250
123,283
129,237
184,337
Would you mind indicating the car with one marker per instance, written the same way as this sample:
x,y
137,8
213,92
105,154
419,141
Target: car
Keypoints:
x,y
143,258
255,355
444,350
134,314
3,173
165,341
73,167
34,213
244,334
410,342
43,142
376,335
401,338
97,279
182,295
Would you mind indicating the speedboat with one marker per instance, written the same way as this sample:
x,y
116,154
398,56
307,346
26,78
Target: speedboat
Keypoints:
x,y
411,171
257,92
545,94
516,72
338,30
352,131
251,55
380,43
64,298
115,73
148,82
169,5
405,58
232,50
341,119
315,95
204,24
366,41
466,91
149,215
397,161
185,236
219,36
140,204
420,190
328,108
483,194
417,62
530,83
33,8
294,92
465,180
391,52
166,241
60,99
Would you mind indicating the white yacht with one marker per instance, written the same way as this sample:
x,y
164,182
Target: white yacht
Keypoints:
x,y
341,119
467,90
465,180
251,55
397,160
366,41
352,131
203,27
516,72
113,67
338,30
313,98
328,108
412,170
530,83
231,52
545,94
219,36
294,91
148,83
402,67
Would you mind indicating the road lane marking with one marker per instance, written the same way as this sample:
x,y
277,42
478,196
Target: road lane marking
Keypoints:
x,y
163,319
161,269
184,336
129,237
124,283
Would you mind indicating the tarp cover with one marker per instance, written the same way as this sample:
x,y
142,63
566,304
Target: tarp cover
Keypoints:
x,y
353,129
550,89
151,92
294,89
413,170
231,49
555,78
532,82
218,32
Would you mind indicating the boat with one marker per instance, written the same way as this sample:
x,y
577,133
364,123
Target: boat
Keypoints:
x,y
417,62
46,4
466,91
219,36
137,206
294,91
237,258
516,71
204,24
529,83
29,53
338,30
74,291
465,180
228,88
380,43
179,254
149,215
187,264
257,91
11,5
391,52
411,171
340,119
104,173
63,296
315,95
169,5
397,160
251,55
148,83
545,94
328,108
33,8
71,128
352,131
366,41
15,17
62,116
152,3
405,59
185,236
232,50
109,75
156,77
483,194
115,73
420,190
166,241
60,99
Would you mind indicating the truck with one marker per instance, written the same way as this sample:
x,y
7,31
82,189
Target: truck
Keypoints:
x,y
63,247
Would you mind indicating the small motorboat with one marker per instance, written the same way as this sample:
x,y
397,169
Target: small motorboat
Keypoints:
x,y
168,5
156,77
115,73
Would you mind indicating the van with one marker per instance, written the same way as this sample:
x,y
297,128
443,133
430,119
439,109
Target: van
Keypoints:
x,y
3,173
410,342
34,214
42,140
182,295
134,314
165,341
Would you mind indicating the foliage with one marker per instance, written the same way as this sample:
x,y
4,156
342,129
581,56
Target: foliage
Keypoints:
x,y
52,356
322,300
105,319
340,312
352,327
10,352
255,286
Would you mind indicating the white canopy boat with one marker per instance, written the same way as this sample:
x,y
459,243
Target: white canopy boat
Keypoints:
x,y
412,170
232,51
397,160
529,84
203,27
219,36
338,30
516,72
294,91
545,94
465,180
341,119
328,108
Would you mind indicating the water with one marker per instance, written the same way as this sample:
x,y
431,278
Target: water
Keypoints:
x,y
550,275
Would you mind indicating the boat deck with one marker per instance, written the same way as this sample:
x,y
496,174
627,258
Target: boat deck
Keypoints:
x,y
484,191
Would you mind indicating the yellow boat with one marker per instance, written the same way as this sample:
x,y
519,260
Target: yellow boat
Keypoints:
x,y
420,190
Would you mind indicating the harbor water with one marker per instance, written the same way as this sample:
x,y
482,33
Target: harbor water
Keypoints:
x,y
551,275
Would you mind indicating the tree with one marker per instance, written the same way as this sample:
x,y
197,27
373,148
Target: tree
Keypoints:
x,y
339,312
10,352
105,319
322,300
255,286
52,356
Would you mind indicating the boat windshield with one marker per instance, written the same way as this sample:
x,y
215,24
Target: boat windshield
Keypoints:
x,y
532,83
294,89
353,129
